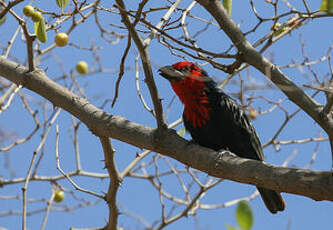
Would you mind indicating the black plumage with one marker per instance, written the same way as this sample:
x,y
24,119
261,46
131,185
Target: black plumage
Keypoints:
x,y
227,127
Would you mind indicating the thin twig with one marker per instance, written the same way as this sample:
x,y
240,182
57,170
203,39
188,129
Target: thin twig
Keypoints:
x,y
145,60
121,69
27,179
66,175
48,209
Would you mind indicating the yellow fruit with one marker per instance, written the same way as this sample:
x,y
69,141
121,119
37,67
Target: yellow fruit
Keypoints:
x,y
59,196
61,39
37,16
253,114
82,67
28,11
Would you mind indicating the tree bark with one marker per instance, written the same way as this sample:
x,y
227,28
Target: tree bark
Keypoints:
x,y
316,185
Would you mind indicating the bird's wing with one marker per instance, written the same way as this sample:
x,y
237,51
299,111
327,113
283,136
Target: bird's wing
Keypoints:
x,y
243,123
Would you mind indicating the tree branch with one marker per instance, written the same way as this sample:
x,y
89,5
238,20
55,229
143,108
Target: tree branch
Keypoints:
x,y
250,55
316,185
111,196
145,60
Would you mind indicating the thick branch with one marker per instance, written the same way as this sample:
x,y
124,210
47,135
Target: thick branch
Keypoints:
x,y
316,185
253,57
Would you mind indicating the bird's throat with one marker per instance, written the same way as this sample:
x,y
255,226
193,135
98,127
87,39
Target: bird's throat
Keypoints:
x,y
197,114
195,100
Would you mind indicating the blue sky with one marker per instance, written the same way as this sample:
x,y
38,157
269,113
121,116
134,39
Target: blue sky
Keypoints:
x,y
136,196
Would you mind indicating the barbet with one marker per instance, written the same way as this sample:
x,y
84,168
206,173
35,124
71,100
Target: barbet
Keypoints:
x,y
215,120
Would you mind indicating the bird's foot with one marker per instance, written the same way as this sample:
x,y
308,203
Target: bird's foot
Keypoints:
x,y
226,152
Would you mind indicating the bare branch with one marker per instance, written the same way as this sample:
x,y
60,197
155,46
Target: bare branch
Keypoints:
x,y
77,187
145,60
254,58
316,185
115,181
27,179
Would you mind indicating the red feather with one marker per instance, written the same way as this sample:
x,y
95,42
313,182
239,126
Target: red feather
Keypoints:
x,y
190,92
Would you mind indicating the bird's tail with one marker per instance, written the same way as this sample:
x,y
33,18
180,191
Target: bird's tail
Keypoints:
x,y
272,199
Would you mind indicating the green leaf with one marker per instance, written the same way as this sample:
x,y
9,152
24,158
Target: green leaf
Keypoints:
x,y
323,6
327,5
230,227
227,5
330,6
40,31
244,215
181,132
62,3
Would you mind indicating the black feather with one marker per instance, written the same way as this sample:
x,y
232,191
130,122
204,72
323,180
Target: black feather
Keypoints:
x,y
229,128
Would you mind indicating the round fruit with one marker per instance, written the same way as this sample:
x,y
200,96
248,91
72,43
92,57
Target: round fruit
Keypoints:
x,y
61,39
82,67
253,114
59,196
37,16
28,11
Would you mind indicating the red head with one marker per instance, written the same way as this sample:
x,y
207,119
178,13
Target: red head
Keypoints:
x,y
189,83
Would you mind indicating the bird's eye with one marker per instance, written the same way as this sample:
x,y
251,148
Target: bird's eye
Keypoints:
x,y
187,68
193,67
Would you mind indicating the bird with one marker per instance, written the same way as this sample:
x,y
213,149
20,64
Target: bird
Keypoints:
x,y
215,120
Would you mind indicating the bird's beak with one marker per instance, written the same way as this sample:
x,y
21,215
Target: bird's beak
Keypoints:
x,y
171,74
